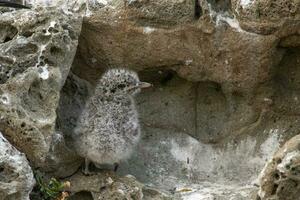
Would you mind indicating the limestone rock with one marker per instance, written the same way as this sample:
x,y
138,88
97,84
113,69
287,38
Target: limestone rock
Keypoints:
x,y
162,13
225,91
106,185
16,177
280,178
267,9
36,52
265,16
225,85
197,51
62,160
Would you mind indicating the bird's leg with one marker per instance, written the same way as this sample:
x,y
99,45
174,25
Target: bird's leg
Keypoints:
x,y
116,166
86,170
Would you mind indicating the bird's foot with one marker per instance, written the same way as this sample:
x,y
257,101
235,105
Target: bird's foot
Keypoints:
x,y
116,166
85,168
87,172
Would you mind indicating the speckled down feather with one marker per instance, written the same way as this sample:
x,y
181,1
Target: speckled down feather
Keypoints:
x,y
108,128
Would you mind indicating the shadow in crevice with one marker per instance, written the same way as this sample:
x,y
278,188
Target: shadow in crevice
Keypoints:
x,y
199,109
83,195
286,81
7,33
198,10
73,96
220,5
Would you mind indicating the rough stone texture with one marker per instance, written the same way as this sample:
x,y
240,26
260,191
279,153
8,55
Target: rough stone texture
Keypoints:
x,y
16,177
225,96
225,93
198,52
106,185
162,13
62,160
267,10
280,178
265,16
36,52
210,191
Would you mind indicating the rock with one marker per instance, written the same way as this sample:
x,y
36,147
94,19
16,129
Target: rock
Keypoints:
x,y
225,92
199,51
16,177
280,178
73,96
36,54
266,9
69,7
62,160
265,16
162,13
106,185
211,191
155,193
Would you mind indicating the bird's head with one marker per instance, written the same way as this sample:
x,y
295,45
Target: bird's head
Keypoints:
x,y
121,82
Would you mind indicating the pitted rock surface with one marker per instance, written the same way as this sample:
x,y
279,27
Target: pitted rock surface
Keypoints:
x,y
280,178
106,185
225,93
36,52
16,176
225,96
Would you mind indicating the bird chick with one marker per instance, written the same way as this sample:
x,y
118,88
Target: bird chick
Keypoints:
x,y
108,128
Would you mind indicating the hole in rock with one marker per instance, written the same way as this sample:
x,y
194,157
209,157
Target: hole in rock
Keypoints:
x,y
53,30
275,186
220,5
167,77
198,9
27,33
23,124
70,30
7,39
7,32
258,197
55,51
157,76
83,195
25,50
286,81
276,176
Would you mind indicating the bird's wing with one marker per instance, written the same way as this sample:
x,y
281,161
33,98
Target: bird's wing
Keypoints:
x,y
12,4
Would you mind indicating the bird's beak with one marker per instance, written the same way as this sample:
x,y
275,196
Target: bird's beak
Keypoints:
x,y
144,85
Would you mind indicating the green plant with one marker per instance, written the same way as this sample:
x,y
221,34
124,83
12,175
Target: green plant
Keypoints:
x,y
51,190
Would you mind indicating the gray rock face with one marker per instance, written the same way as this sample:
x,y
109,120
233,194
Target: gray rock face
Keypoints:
x,y
62,160
16,177
106,185
36,54
225,93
